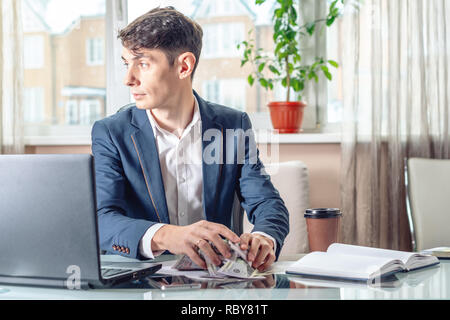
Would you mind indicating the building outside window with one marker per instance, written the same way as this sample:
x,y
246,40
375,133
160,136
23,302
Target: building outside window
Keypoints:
x,y
64,55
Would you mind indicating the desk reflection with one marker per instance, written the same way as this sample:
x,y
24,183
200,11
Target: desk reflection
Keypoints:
x,y
278,281
283,281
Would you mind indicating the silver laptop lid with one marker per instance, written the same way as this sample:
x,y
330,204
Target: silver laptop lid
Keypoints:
x,y
48,223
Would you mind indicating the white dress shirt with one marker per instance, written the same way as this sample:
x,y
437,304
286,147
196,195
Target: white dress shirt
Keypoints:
x,y
182,172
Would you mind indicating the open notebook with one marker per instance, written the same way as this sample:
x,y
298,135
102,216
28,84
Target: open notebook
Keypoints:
x,y
358,263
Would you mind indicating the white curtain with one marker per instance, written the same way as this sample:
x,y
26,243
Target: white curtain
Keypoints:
x,y
11,78
396,105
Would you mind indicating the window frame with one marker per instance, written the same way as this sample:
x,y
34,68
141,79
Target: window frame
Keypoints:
x,y
116,18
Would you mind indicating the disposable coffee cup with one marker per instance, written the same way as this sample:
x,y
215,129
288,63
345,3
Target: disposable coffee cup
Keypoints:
x,y
323,227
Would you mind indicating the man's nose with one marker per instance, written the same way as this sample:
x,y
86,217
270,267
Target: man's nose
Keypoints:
x,y
130,78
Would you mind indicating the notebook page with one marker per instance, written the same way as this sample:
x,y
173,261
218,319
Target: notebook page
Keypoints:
x,y
371,252
338,265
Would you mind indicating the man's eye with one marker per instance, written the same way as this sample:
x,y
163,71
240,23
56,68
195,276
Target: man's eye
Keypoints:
x,y
126,65
144,65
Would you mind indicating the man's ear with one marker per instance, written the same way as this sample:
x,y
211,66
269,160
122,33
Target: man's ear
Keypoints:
x,y
186,63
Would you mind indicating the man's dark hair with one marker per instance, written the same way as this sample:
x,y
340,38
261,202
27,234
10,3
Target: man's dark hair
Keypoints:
x,y
166,29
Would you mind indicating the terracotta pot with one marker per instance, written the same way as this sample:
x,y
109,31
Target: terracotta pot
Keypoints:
x,y
287,116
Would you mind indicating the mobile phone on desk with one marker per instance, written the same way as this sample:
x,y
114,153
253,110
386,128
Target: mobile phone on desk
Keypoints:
x,y
173,283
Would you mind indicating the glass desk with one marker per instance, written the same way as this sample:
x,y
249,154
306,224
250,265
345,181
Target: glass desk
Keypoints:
x,y
432,283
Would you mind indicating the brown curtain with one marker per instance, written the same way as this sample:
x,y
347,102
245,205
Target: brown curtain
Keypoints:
x,y
396,105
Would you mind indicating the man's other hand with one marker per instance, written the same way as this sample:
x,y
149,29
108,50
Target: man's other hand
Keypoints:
x,y
260,250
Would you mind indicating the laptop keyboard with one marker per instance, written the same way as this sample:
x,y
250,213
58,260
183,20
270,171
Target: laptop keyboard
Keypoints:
x,y
113,272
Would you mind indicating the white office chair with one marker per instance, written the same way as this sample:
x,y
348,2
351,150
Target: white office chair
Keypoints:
x,y
291,181
428,192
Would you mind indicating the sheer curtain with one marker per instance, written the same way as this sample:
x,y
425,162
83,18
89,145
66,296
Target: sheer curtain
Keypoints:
x,y
396,105
11,78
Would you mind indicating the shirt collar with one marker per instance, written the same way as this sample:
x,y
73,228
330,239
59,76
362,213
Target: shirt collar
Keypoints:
x,y
158,130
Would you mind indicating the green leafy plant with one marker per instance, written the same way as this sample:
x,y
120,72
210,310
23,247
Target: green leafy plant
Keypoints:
x,y
285,64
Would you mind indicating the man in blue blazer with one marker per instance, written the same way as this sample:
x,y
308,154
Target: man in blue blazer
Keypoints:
x,y
162,187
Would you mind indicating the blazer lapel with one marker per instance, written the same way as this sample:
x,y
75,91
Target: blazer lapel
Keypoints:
x,y
212,158
145,145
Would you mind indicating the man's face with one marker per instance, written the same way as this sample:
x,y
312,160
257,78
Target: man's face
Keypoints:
x,y
151,79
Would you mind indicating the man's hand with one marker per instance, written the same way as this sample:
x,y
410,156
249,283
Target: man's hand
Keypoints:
x,y
186,239
260,252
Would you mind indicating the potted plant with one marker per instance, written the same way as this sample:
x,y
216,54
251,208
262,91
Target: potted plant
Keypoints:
x,y
285,63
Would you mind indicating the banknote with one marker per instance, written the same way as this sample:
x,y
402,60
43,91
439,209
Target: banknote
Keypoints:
x,y
184,263
212,268
236,266
261,274
236,248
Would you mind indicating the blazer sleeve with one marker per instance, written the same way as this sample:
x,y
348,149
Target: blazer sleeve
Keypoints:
x,y
116,229
259,198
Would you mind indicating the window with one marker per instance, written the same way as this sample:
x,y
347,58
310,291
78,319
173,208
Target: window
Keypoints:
x,y
223,8
228,92
72,112
33,51
90,111
221,39
65,54
211,90
334,44
63,39
34,105
226,23
95,51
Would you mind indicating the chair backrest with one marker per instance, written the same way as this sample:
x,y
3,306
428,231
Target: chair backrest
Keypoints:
x,y
291,179
125,107
428,184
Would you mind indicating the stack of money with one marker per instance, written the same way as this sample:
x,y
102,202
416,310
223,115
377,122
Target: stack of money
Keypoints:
x,y
237,266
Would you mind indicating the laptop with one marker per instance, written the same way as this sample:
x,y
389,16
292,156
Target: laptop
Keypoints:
x,y
48,225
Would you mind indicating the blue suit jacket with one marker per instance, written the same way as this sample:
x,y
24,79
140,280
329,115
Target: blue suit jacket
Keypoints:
x,y
130,190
